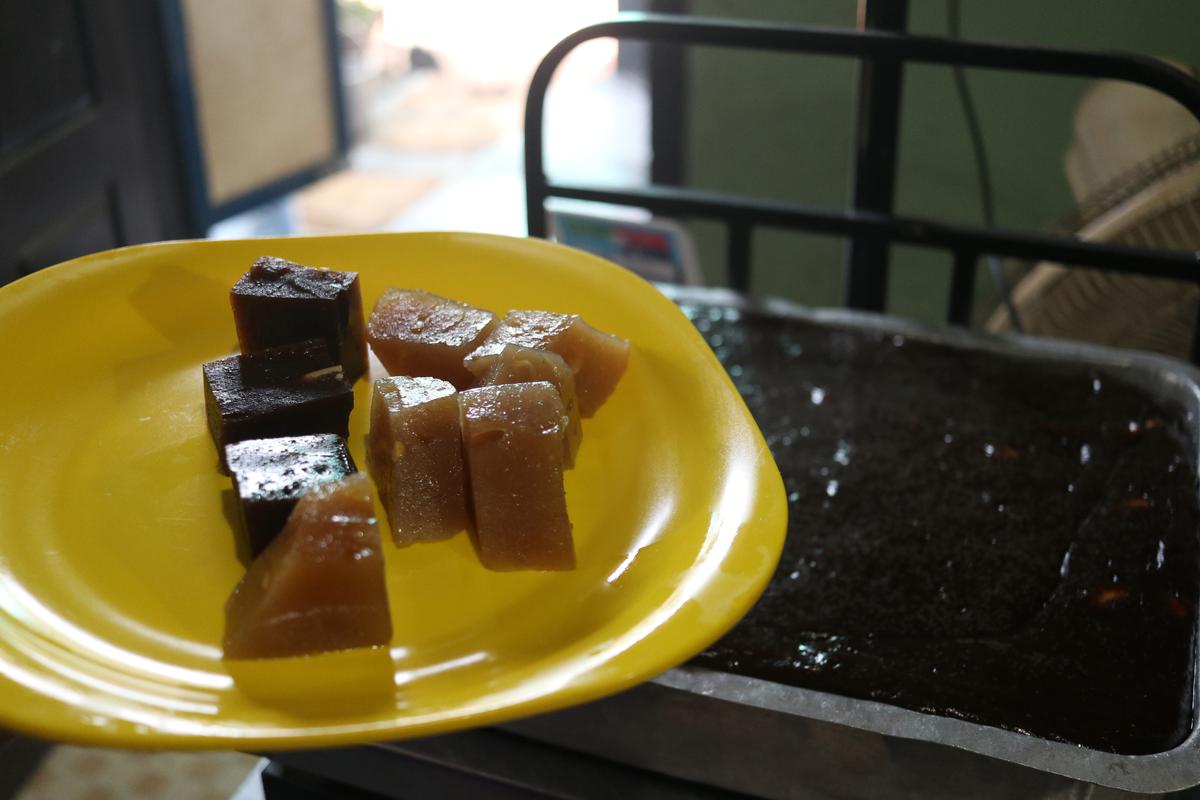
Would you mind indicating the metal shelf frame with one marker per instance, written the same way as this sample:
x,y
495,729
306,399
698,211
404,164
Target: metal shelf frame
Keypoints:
x,y
868,225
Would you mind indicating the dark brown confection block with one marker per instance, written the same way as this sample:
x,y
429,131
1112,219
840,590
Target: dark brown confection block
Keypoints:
x,y
419,333
414,451
286,391
516,364
279,302
310,358
319,586
598,359
513,440
271,475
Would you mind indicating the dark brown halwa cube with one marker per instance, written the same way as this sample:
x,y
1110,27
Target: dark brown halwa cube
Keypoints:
x,y
279,302
286,391
271,475
288,362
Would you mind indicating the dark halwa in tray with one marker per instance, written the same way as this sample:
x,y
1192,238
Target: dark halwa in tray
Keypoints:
x,y
1007,541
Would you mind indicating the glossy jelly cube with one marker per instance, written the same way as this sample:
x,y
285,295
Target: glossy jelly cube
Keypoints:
x,y
271,475
417,333
598,359
310,359
319,586
280,302
515,364
287,391
414,451
513,440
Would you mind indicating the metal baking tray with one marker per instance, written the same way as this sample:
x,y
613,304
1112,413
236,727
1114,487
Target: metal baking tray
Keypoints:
x,y
772,740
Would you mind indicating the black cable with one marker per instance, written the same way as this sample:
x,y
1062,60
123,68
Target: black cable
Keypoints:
x,y
982,170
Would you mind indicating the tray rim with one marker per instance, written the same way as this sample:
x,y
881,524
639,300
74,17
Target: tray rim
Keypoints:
x,y
1169,771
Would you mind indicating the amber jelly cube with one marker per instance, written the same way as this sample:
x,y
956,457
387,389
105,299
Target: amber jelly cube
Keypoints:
x,y
319,586
598,359
271,475
414,452
287,391
515,364
280,302
418,333
513,440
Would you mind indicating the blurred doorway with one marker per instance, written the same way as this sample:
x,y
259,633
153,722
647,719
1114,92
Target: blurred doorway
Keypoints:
x,y
87,157
435,93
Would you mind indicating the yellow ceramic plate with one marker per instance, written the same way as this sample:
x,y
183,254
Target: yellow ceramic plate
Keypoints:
x,y
117,554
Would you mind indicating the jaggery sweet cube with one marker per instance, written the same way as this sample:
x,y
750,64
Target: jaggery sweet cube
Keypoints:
x,y
319,586
309,359
516,364
288,391
513,440
598,359
414,452
417,333
271,475
280,302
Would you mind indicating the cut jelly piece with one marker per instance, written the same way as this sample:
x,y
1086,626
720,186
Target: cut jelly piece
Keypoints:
x,y
270,475
279,302
310,359
288,391
513,440
515,364
418,333
319,586
598,359
414,451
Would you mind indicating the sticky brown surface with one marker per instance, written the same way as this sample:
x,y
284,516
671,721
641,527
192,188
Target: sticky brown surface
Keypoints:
x,y
288,362
290,390
319,586
598,359
270,476
516,364
513,439
417,333
414,450
280,302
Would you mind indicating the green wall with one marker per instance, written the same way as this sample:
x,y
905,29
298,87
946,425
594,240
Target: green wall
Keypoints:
x,y
780,126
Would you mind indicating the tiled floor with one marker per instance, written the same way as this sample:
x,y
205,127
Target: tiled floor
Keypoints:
x,y
84,773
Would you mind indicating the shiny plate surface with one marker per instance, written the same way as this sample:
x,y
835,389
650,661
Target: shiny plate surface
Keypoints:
x,y
116,543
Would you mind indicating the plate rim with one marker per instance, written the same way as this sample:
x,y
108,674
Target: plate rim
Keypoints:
x,y
769,496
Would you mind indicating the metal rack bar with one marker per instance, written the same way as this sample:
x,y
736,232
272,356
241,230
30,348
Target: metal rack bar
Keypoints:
x,y
859,225
962,286
739,255
744,211
876,133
